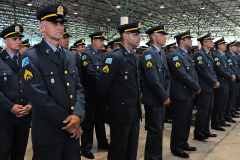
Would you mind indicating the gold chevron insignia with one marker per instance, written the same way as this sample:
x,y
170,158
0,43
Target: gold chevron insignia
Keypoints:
x,y
105,69
85,63
28,75
177,64
149,64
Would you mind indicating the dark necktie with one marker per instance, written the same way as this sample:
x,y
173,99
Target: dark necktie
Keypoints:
x,y
15,60
59,54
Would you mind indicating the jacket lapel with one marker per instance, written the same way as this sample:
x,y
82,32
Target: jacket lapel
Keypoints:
x,y
65,58
7,59
128,56
45,48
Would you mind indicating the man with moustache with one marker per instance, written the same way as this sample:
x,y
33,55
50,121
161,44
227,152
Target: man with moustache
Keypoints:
x,y
14,104
120,92
225,75
54,90
183,87
92,62
207,79
156,90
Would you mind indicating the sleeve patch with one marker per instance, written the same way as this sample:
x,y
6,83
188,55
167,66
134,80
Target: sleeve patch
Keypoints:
x,y
149,56
200,62
85,63
149,64
218,63
229,60
177,64
199,58
28,75
105,69
108,61
216,59
25,61
175,58
84,57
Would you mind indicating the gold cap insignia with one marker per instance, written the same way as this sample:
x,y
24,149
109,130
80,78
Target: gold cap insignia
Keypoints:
x,y
67,30
17,29
139,24
103,34
83,40
60,10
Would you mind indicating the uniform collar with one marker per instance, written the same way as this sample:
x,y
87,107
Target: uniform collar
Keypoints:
x,y
158,49
183,49
53,47
11,54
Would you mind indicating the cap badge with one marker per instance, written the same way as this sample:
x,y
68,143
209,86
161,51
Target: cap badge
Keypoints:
x,y
67,30
139,24
60,10
103,34
17,29
83,40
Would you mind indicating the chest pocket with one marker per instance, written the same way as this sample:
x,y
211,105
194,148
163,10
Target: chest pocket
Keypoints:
x,y
187,65
73,72
51,77
5,78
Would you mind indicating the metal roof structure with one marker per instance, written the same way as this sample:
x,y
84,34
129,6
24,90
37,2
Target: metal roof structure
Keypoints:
x,y
219,17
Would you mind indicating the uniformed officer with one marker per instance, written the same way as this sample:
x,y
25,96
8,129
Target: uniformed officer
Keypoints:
x,y
15,108
207,79
238,95
65,39
109,46
140,50
224,76
54,90
115,43
92,62
80,46
233,87
192,51
156,91
25,46
73,49
120,91
183,86
172,47
104,50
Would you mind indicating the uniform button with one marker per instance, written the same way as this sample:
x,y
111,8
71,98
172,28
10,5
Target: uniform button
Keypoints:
x,y
20,90
65,72
122,103
51,72
137,70
73,71
72,108
71,96
223,78
164,75
68,84
184,87
4,73
21,100
20,81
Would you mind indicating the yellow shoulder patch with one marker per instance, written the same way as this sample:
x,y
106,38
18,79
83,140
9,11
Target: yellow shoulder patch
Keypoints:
x,y
85,63
105,69
149,64
218,63
28,75
177,64
200,62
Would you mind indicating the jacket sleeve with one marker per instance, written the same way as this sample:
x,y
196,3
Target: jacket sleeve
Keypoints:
x,y
151,76
88,67
107,76
201,67
180,72
5,103
37,93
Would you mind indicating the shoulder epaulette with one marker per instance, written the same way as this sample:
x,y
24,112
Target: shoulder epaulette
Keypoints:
x,y
116,49
34,46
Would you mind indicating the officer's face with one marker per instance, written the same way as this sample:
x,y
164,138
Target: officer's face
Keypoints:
x,y
64,42
52,30
187,42
115,46
13,44
160,39
80,48
172,49
23,49
208,44
222,47
133,39
233,48
108,50
74,51
98,44
238,49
